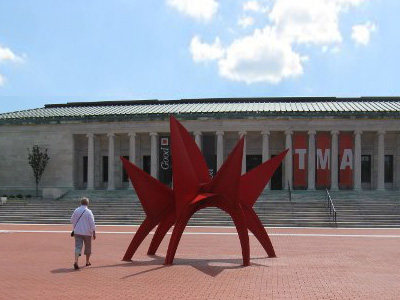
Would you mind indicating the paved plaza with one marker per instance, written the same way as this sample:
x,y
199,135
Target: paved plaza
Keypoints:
x,y
36,263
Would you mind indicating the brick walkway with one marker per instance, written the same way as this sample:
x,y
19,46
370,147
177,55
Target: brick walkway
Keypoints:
x,y
311,264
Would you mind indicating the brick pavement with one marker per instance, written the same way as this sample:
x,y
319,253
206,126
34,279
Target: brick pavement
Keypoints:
x,y
311,264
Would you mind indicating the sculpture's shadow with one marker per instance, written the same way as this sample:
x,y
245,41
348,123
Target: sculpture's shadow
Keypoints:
x,y
211,267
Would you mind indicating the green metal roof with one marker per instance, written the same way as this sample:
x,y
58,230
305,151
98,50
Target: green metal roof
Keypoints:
x,y
219,108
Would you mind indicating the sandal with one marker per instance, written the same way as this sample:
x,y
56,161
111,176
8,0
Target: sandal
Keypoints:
x,y
76,267
88,264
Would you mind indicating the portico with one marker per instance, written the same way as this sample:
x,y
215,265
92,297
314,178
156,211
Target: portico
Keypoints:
x,y
340,166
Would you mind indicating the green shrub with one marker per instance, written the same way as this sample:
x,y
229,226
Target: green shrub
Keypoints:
x,y
19,196
28,196
11,196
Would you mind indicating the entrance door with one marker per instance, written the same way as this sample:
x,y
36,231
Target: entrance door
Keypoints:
x,y
208,146
276,180
146,163
253,161
366,171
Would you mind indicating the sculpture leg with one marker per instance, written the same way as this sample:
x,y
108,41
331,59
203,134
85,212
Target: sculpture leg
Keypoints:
x,y
176,237
160,233
241,227
256,227
138,238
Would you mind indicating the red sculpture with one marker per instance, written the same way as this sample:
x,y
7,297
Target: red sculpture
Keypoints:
x,y
194,189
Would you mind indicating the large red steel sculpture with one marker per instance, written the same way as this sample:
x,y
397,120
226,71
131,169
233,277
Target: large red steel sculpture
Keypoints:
x,y
194,189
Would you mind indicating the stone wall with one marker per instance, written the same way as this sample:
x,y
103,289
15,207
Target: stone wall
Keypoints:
x,y
15,171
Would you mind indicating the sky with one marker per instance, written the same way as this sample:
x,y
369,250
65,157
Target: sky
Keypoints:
x,y
58,51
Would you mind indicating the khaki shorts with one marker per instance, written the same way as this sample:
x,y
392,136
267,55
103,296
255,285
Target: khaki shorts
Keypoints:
x,y
80,240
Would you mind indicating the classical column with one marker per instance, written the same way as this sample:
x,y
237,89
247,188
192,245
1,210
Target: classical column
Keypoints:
x,y
288,160
311,160
381,160
334,161
265,151
132,147
220,148
154,156
197,138
132,151
357,159
111,163
90,168
243,134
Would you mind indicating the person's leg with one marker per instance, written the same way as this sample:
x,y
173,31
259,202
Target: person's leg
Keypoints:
x,y
88,260
78,249
88,249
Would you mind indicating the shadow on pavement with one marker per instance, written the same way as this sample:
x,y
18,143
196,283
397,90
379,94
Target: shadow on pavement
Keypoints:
x,y
211,267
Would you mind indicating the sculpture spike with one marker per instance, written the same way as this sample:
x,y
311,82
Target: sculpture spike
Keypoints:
x,y
253,182
154,196
186,183
227,180
195,155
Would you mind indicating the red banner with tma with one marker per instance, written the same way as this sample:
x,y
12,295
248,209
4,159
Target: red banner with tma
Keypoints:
x,y
323,160
345,160
300,160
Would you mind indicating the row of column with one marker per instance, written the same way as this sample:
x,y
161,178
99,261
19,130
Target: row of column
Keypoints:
x,y
111,157
288,179
334,160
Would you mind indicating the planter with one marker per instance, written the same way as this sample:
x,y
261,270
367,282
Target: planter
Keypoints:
x,y
3,200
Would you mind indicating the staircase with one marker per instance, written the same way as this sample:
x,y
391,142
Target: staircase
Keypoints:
x,y
122,207
367,208
307,209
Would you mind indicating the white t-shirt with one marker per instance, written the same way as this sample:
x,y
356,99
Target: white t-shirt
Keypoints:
x,y
85,225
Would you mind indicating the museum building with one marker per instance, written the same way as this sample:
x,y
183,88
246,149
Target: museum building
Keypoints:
x,y
334,143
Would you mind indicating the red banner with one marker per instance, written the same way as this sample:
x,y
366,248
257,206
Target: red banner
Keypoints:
x,y
345,160
300,160
323,160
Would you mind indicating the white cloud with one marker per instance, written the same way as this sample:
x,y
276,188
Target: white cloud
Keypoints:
x,y
2,80
245,22
202,10
7,54
361,34
261,57
254,6
346,4
310,21
202,51
272,54
332,50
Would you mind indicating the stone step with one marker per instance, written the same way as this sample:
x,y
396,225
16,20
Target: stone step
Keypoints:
x,y
306,209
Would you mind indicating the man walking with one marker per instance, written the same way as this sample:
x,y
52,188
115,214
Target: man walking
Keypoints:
x,y
84,229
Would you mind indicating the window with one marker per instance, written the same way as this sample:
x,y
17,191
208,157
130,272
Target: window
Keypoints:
x,y
105,168
85,169
366,168
388,168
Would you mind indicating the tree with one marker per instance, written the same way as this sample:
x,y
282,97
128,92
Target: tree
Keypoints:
x,y
38,160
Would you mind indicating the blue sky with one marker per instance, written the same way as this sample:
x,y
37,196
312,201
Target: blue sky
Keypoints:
x,y
56,51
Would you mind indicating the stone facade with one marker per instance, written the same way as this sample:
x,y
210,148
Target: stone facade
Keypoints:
x,y
69,142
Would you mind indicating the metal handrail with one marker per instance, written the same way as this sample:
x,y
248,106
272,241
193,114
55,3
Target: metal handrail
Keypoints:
x,y
332,210
290,192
